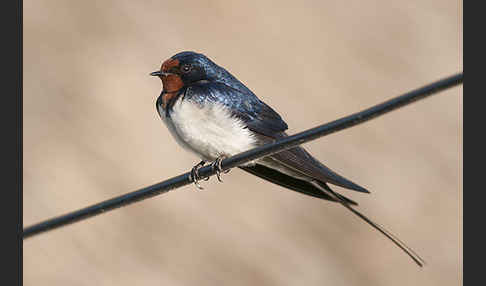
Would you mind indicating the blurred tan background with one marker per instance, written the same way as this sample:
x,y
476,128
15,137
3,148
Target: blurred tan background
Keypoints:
x,y
91,132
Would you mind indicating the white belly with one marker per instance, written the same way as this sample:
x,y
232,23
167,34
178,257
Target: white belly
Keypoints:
x,y
208,131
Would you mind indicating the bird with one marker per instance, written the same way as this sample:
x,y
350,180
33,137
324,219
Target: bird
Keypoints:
x,y
210,113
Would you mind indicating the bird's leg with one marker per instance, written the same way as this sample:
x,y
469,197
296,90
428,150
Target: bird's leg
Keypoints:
x,y
216,165
195,174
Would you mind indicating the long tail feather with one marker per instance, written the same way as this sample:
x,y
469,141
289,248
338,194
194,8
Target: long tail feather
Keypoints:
x,y
420,262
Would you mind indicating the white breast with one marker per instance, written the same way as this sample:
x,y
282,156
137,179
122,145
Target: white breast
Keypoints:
x,y
209,131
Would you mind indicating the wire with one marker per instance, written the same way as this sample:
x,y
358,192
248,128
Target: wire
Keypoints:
x,y
265,150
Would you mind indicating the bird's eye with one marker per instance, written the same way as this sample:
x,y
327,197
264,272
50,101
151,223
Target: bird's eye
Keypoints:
x,y
186,68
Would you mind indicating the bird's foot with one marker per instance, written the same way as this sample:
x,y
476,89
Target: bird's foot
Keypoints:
x,y
216,165
195,174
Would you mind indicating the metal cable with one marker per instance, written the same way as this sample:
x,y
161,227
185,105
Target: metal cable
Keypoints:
x,y
265,150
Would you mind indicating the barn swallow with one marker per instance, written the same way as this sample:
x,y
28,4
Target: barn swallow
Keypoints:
x,y
212,114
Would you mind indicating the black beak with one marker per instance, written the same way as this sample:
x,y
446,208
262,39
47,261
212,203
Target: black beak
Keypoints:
x,y
156,73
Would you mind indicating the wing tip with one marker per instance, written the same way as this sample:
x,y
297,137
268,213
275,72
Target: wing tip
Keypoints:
x,y
361,189
350,185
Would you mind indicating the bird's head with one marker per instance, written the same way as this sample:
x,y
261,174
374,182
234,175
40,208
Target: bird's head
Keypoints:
x,y
184,69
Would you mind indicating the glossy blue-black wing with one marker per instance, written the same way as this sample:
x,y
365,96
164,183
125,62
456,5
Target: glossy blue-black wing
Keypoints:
x,y
268,126
264,120
244,105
